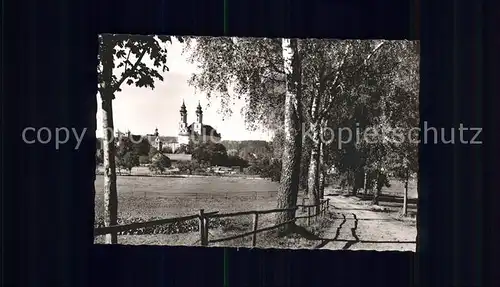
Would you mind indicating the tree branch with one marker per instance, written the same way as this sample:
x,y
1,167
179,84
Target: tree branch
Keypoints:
x,y
126,74
273,66
339,69
374,51
328,106
127,61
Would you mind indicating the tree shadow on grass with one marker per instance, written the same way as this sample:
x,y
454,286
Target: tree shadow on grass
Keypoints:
x,y
353,232
387,198
303,232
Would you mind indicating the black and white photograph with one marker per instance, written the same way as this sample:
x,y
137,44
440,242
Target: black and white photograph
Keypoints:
x,y
257,142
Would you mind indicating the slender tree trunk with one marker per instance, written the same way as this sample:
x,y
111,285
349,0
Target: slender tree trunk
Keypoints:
x,y
405,197
376,191
292,149
364,182
314,164
354,189
110,194
322,171
304,165
313,177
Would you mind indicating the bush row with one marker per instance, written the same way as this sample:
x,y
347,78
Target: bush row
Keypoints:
x,y
170,228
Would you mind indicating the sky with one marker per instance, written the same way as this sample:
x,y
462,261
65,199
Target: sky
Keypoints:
x,y
141,110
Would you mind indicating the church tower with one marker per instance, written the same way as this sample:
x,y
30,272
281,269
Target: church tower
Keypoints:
x,y
183,131
199,120
158,144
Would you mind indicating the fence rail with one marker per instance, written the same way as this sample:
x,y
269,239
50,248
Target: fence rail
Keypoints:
x,y
204,222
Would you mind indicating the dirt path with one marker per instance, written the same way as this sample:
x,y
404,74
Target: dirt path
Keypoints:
x,y
362,229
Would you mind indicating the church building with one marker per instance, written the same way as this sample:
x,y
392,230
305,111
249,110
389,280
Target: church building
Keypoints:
x,y
196,131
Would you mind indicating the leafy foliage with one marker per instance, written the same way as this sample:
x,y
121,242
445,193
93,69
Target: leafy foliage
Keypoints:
x,y
152,152
242,67
190,167
141,145
144,159
99,156
210,153
126,54
127,161
129,53
234,160
159,163
167,149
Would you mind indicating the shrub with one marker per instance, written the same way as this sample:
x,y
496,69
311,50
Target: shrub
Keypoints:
x,y
159,163
167,149
152,152
144,159
182,149
127,161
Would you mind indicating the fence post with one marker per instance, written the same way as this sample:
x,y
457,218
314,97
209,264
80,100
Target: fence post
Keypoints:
x,y
327,204
202,227
207,226
255,225
308,215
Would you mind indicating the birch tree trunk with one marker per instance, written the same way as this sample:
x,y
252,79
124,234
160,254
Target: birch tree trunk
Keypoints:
x,y
322,171
378,187
364,182
405,197
292,149
110,194
313,177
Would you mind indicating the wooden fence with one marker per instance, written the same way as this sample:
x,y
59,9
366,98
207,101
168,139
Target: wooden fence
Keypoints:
x,y
204,222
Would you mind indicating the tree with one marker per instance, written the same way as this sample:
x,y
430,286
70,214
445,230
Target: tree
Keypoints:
x,y
234,160
403,115
185,148
181,149
254,68
126,153
333,69
167,149
127,52
128,161
141,145
322,64
159,163
144,159
210,153
271,168
292,147
152,152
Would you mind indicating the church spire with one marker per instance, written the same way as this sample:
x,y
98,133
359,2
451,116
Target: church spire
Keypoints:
x,y
199,113
198,109
183,108
183,113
